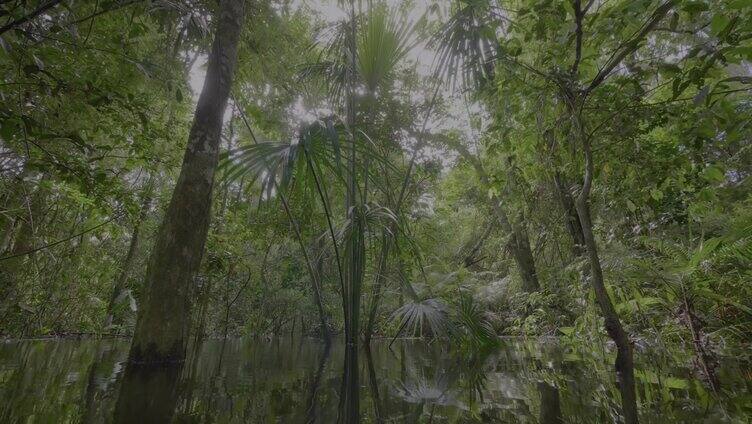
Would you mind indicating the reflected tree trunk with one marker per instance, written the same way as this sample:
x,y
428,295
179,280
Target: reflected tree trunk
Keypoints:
x,y
349,407
311,410
550,412
148,394
103,360
373,383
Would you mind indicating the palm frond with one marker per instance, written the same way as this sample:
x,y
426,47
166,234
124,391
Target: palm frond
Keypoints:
x,y
476,327
467,45
429,316
384,40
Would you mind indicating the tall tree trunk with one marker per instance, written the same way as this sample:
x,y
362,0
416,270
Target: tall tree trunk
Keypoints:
x,y
164,319
125,267
355,243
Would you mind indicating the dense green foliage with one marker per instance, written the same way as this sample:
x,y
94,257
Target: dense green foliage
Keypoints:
x,y
361,189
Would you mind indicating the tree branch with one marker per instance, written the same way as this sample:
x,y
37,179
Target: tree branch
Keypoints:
x,y
578,14
41,9
630,46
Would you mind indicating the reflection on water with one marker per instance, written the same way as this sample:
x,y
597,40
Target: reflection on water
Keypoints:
x,y
302,381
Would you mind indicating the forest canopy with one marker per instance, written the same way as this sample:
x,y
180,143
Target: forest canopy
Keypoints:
x,y
177,171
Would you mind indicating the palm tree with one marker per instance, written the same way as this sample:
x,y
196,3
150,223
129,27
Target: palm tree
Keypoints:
x,y
349,61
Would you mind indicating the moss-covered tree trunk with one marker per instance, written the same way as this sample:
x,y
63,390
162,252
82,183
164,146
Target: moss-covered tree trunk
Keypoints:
x,y
163,323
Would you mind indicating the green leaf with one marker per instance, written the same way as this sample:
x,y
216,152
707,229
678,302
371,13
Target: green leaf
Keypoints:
x,y
656,194
676,383
8,129
744,52
713,174
739,4
718,23
567,331
695,6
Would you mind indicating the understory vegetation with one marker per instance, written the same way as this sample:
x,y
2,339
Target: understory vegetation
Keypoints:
x,y
460,170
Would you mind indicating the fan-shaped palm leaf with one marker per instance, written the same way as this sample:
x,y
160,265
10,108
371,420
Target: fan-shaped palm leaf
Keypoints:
x,y
467,44
385,39
417,318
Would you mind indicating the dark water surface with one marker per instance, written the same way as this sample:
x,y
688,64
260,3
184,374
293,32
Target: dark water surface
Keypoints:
x,y
299,381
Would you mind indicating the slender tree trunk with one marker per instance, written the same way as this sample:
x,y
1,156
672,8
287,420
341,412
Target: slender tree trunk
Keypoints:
x,y
519,244
574,100
388,237
624,360
315,278
21,235
12,204
27,229
704,360
571,219
354,245
386,242
164,319
125,268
